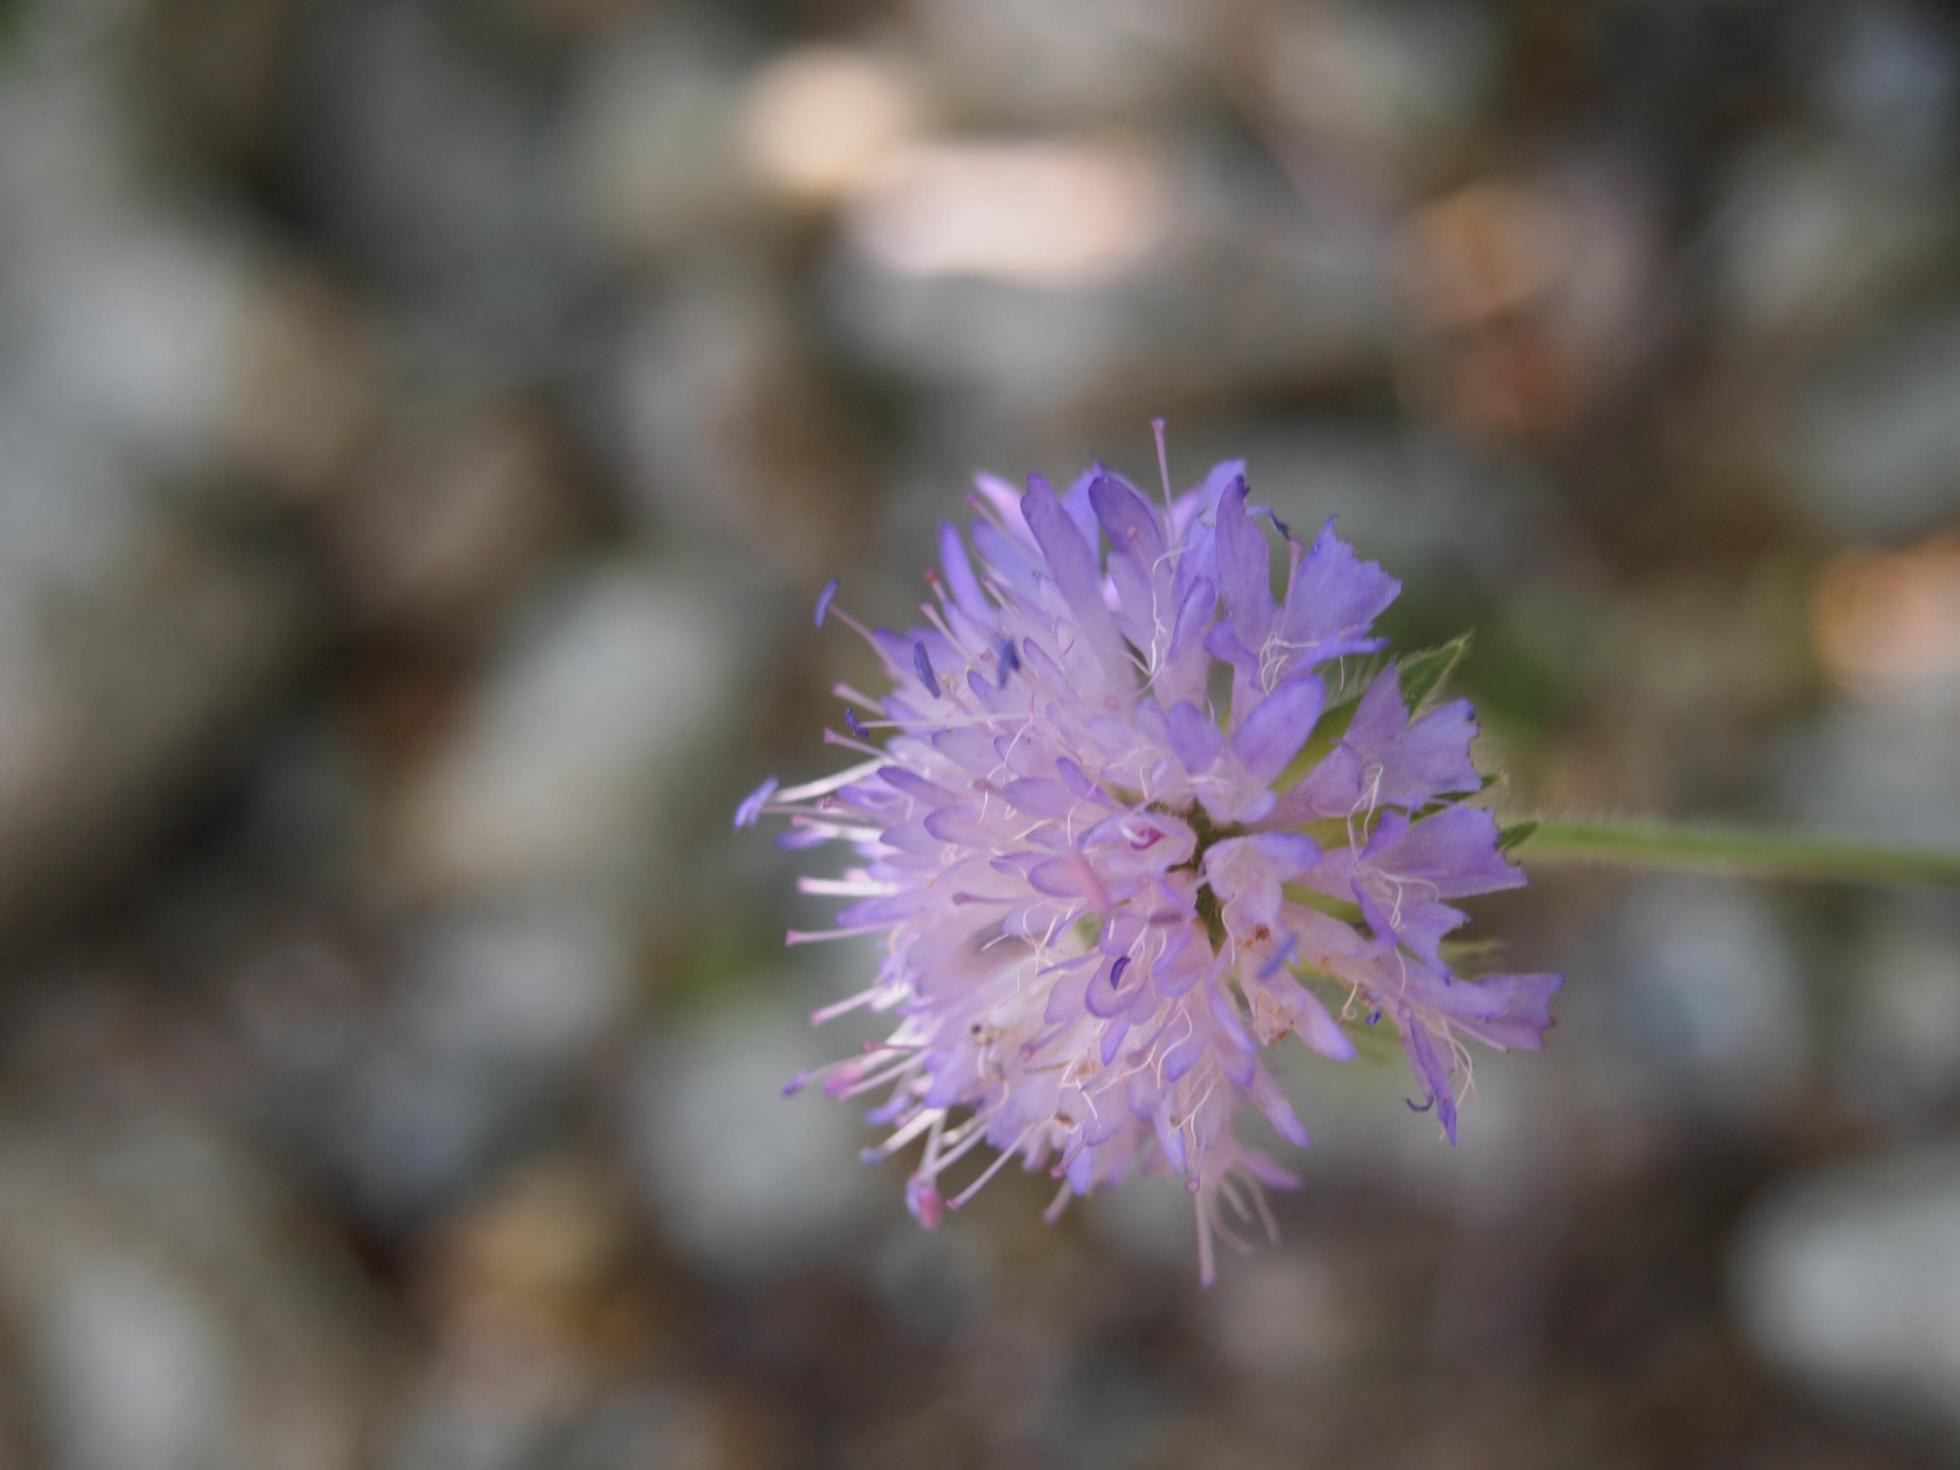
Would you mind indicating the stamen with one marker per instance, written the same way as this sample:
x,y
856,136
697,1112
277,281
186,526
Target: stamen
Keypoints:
x,y
827,784
850,1003
1010,661
751,808
992,1169
1284,953
923,666
1163,469
819,936
923,1120
831,737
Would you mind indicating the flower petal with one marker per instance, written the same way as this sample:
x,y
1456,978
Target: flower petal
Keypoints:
x,y
1195,737
1332,599
1072,563
1274,732
1244,568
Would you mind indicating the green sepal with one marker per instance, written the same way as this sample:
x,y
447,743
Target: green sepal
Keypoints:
x,y
1334,908
1351,678
1443,803
1423,673
1456,952
1516,834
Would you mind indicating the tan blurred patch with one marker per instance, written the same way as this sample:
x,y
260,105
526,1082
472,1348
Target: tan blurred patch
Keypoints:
x,y
819,122
304,392
1051,212
1488,248
1528,300
535,1279
1883,618
1480,269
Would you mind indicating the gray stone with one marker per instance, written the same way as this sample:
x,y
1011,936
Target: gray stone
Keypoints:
x,y
1700,987
563,767
1850,1280
172,1318
132,639
1814,240
1884,763
1899,1055
652,145
741,1178
1871,443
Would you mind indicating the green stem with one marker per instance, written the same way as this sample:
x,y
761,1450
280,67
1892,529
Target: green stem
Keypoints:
x,y
1737,851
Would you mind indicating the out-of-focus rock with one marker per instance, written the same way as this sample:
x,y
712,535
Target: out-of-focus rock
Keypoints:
x,y
440,171
723,422
455,520
1883,763
1872,439
741,1179
1381,87
819,123
1028,62
1886,622
1885,73
654,147
559,773
535,1321
304,383
133,641
1281,1314
1900,1053
169,332
131,331
540,1257
519,988
1850,1280
677,1425
676,139
170,1316
999,329
492,1015
1815,240
1710,1012
1531,297
1041,213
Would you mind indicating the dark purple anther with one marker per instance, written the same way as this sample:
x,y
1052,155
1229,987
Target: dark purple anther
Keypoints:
x,y
824,598
753,804
923,666
855,725
1009,661
1284,953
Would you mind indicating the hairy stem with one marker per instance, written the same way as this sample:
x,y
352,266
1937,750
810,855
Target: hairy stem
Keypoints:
x,y
1736,851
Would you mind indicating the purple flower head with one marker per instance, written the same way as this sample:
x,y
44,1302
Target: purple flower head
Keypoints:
x,y
1104,882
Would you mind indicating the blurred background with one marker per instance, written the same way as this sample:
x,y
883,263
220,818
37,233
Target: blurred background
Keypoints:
x,y
423,430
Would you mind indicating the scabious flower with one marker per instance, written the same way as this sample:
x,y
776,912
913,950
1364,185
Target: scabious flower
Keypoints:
x,y
1125,820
